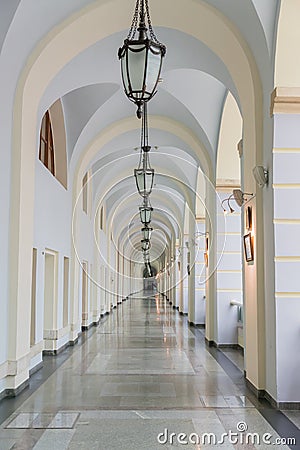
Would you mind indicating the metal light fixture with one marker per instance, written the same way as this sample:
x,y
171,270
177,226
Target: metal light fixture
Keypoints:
x,y
147,232
145,212
240,197
146,256
141,58
144,174
149,269
145,244
230,210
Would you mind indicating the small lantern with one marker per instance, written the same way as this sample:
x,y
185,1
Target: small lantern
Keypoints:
x,y
149,269
144,174
145,214
147,232
145,244
146,256
144,181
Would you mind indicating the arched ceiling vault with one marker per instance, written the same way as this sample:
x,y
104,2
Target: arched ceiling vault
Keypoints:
x,y
70,52
165,213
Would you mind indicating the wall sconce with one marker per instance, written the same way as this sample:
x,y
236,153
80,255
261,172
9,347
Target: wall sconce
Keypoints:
x,y
241,197
230,210
261,175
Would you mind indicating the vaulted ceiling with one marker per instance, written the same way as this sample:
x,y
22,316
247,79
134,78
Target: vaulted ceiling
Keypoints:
x,y
192,95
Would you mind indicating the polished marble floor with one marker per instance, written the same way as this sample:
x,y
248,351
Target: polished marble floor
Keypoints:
x,y
141,378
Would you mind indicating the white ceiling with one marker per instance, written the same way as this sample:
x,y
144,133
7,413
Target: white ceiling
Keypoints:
x,y
194,88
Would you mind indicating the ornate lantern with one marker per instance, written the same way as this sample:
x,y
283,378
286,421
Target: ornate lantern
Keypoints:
x,y
145,214
141,58
147,232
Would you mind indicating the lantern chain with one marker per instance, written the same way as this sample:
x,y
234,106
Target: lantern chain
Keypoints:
x,y
134,25
134,22
151,31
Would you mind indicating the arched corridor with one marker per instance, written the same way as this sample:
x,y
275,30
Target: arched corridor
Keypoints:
x,y
148,193
141,372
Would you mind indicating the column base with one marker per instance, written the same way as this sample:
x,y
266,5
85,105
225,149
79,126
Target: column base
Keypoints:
x,y
196,325
13,392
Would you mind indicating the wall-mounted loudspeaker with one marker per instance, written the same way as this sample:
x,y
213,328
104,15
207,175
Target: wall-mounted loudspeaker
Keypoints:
x,y
261,175
238,196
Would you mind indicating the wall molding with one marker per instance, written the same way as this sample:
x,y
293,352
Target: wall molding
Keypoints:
x,y
285,100
225,185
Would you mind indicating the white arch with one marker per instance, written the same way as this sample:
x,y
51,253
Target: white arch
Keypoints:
x,y
52,53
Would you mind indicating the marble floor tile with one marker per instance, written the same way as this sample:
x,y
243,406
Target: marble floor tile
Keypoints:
x,y
7,444
54,439
28,440
64,420
139,390
214,401
42,421
142,373
22,420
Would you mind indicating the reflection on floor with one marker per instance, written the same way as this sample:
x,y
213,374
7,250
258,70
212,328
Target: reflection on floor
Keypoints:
x,y
142,375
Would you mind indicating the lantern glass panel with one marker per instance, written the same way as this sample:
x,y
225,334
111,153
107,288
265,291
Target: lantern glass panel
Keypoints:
x,y
145,214
124,73
145,245
148,215
146,233
144,181
153,69
136,68
149,181
139,178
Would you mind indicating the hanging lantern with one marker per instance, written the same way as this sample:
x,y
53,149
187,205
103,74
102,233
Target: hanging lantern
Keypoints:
x,y
144,174
141,58
149,269
145,244
147,233
146,256
145,214
144,181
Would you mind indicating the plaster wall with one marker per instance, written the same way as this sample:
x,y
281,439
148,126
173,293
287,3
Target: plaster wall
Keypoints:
x,y
229,271
200,271
52,225
286,183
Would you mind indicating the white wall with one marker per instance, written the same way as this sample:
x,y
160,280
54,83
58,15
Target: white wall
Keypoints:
x,y
286,183
52,225
229,271
200,275
4,243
